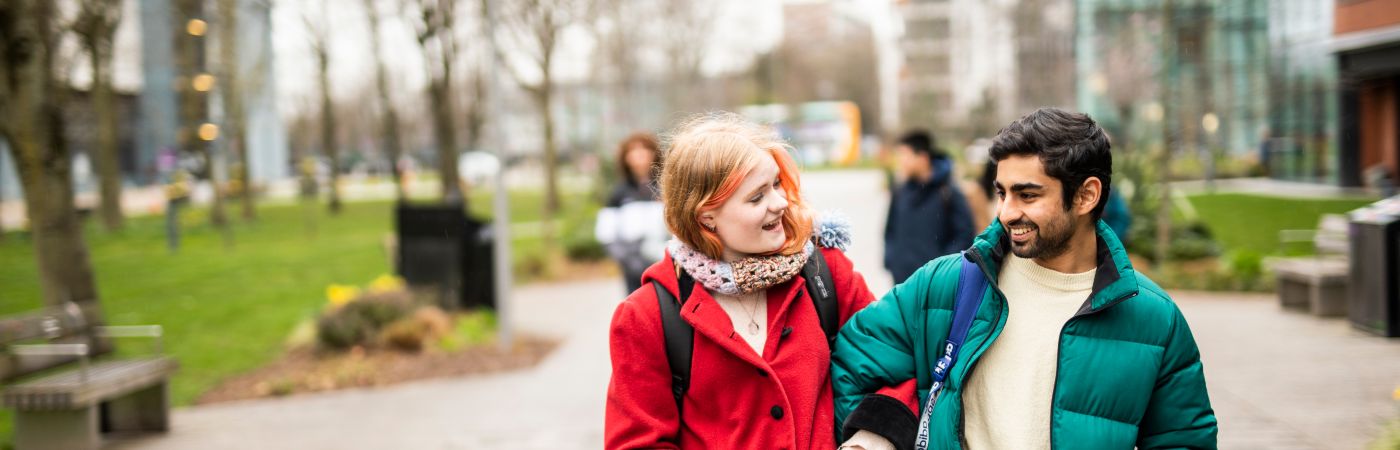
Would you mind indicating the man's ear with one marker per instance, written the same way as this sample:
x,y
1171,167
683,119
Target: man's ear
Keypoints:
x,y
1088,196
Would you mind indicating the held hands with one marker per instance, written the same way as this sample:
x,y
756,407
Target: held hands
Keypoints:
x,y
865,440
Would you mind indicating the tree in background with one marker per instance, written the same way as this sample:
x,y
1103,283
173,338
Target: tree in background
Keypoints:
x,y
32,124
319,39
196,134
389,114
96,27
231,85
534,27
688,27
434,25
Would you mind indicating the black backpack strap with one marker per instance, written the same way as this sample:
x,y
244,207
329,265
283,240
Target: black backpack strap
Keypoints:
x,y
822,289
679,335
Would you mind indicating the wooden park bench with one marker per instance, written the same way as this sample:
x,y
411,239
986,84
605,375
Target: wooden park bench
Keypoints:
x,y
1317,283
63,396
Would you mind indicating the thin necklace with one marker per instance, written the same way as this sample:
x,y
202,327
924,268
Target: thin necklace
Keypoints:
x,y
753,321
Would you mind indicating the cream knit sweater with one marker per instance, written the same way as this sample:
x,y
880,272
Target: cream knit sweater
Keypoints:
x,y
1007,398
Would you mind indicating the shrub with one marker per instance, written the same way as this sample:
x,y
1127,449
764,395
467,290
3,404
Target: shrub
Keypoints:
x,y
1245,267
1189,241
472,328
406,334
580,247
579,243
359,321
341,331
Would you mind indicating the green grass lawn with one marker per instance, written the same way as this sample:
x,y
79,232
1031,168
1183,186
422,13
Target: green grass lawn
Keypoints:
x,y
227,309
1252,222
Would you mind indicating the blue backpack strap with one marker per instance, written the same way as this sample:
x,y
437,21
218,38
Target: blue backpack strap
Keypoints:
x,y
971,284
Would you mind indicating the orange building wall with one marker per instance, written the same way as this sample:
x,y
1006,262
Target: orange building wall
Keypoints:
x,y
1361,15
1378,134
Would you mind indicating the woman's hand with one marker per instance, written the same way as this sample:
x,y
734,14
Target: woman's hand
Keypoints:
x,y
865,440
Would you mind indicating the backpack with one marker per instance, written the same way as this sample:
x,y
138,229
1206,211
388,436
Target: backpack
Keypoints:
x,y
680,336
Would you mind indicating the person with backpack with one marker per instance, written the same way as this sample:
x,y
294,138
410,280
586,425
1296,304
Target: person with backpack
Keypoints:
x,y
727,343
1040,335
928,216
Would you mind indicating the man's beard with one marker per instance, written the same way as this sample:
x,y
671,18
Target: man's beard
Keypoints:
x,y
1050,241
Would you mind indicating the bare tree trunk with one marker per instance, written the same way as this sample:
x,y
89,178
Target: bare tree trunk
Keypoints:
x,y
476,110
193,107
108,169
1169,139
31,121
232,88
446,135
393,148
96,26
2,197
544,95
551,163
436,37
328,123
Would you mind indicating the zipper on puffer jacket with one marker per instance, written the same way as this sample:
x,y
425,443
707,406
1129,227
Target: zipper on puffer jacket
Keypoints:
x,y
996,291
1059,342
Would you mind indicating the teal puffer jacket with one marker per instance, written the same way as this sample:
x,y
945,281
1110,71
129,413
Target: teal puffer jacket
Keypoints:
x,y
1129,372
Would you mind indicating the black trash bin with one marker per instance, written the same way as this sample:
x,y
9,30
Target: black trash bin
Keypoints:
x,y
1374,304
440,247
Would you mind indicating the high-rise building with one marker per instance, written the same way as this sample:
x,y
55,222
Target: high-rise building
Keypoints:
x,y
971,66
926,79
1191,70
174,52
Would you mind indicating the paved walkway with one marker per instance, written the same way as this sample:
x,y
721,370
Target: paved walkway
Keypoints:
x,y
1278,380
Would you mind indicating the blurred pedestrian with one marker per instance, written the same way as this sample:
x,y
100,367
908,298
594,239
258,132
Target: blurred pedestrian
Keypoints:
x,y
928,215
631,226
727,345
1118,217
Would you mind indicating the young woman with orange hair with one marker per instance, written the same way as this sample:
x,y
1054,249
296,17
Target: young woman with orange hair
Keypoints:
x,y
759,358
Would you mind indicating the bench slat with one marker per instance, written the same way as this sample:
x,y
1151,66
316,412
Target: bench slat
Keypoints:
x,y
106,379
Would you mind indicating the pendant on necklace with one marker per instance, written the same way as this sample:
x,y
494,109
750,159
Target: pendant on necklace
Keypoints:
x,y
753,328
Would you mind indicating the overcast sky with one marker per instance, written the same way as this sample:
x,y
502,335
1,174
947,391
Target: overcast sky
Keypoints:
x,y
744,27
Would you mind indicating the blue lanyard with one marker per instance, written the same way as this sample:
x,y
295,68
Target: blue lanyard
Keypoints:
x,y
971,284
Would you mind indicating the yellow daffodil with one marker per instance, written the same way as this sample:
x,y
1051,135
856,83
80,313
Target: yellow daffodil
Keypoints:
x,y
338,294
386,283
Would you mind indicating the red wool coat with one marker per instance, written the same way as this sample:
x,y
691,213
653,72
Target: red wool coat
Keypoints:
x,y
737,399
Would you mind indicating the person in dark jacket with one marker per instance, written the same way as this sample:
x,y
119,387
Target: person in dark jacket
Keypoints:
x,y
630,226
928,217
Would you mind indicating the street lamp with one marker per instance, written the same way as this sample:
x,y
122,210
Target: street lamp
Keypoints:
x,y
1210,123
1153,112
196,27
208,132
203,82
1098,83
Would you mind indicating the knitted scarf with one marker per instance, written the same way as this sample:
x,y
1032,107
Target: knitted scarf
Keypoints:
x,y
756,273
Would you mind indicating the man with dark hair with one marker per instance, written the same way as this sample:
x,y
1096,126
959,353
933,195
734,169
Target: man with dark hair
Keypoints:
x,y
1067,347
928,215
